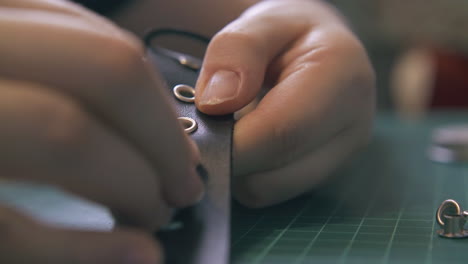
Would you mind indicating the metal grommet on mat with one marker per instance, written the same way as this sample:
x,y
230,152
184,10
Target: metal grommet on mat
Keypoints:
x,y
184,93
442,211
188,124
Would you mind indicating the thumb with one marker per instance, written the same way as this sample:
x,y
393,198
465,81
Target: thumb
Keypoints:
x,y
238,56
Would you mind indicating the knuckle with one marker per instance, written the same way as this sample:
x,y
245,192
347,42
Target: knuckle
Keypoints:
x,y
352,51
64,126
120,57
233,35
121,67
346,43
231,40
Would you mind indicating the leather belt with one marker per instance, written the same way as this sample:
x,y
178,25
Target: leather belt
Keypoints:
x,y
199,234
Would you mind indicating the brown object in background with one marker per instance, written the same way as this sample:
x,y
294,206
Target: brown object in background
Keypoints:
x,y
428,78
450,80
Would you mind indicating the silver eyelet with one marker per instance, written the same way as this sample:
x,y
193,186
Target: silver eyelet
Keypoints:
x,y
184,93
445,206
188,124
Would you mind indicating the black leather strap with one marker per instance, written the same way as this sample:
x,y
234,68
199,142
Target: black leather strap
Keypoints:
x,y
201,234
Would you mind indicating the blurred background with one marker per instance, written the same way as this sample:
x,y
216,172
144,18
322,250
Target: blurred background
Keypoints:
x,y
419,49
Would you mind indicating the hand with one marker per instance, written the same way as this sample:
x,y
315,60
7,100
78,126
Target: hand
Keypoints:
x,y
82,109
318,105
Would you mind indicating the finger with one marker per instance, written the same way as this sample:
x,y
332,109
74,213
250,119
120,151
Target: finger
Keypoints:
x,y
275,186
23,240
317,96
238,56
112,79
50,138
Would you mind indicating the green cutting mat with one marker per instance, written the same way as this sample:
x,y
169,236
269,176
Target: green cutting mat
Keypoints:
x,y
379,209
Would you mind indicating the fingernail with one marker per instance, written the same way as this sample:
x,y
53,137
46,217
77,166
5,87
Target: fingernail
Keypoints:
x,y
223,86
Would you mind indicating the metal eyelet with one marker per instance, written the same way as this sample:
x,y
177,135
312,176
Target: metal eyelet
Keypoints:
x,y
446,206
184,93
188,124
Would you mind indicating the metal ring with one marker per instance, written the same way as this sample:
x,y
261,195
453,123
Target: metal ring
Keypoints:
x,y
446,205
189,124
184,93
